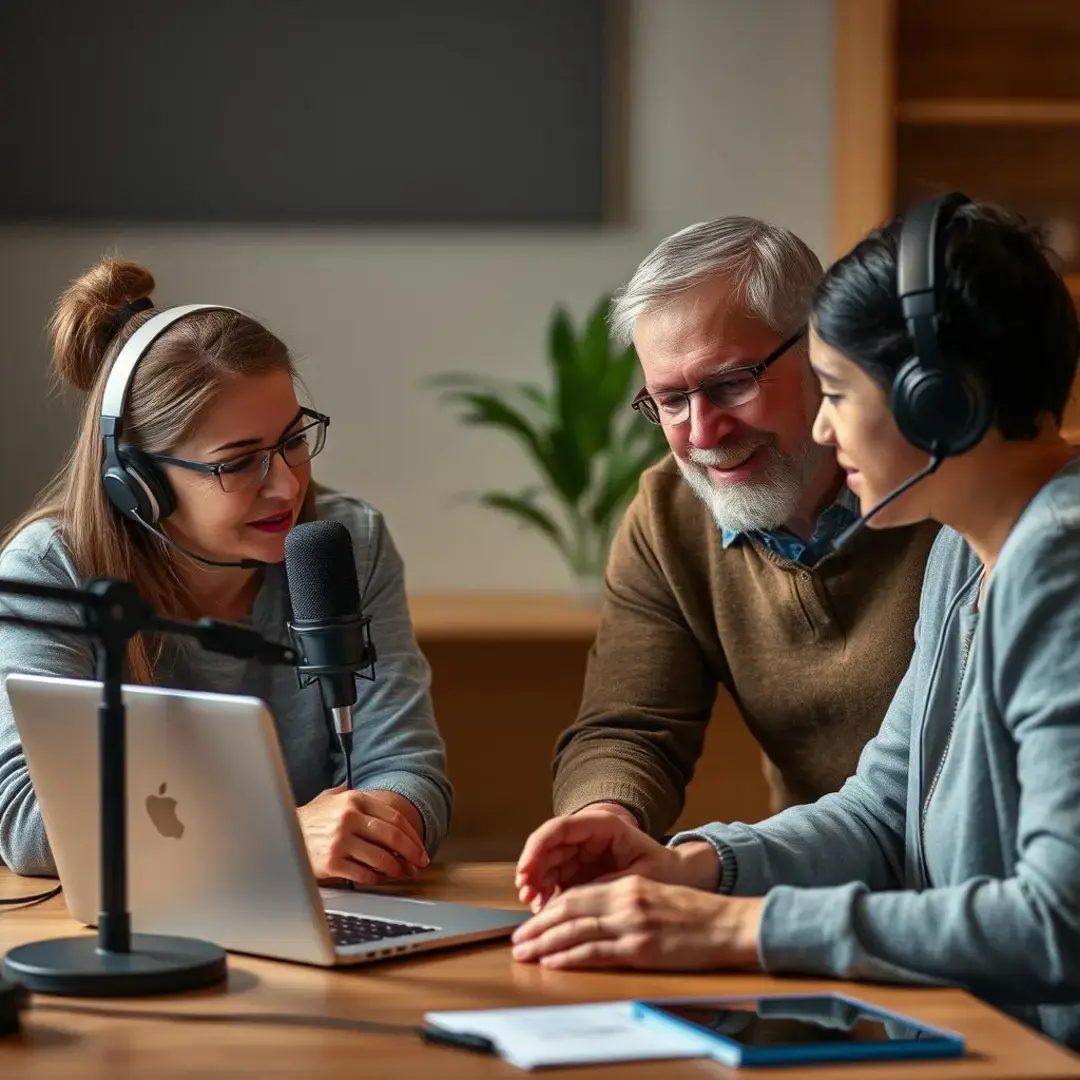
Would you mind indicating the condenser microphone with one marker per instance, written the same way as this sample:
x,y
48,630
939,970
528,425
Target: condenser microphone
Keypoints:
x,y
329,630
242,564
857,527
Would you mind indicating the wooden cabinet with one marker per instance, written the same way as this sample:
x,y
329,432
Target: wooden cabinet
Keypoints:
x,y
977,95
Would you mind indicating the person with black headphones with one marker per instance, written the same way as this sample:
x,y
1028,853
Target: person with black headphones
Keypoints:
x,y
191,464
946,345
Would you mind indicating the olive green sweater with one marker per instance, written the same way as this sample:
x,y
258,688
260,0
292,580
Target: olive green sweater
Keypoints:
x,y
811,656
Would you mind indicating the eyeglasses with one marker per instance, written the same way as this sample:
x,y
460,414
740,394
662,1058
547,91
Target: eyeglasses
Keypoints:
x,y
726,390
248,470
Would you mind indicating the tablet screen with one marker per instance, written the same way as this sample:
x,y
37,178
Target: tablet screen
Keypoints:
x,y
794,1020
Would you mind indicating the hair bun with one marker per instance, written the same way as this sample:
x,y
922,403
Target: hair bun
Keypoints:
x,y
84,322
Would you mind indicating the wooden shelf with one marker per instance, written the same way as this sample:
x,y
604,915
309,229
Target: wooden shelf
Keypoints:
x,y
988,112
502,617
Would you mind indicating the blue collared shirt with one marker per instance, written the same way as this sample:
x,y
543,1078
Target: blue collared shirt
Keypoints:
x,y
834,519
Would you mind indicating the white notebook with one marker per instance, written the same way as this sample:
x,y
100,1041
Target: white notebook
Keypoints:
x,y
549,1035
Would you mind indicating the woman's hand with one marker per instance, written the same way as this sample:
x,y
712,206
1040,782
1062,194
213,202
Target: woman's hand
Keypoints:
x,y
595,846
637,923
362,836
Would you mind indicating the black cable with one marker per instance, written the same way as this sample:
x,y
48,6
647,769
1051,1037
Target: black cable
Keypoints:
x,y
32,899
433,1035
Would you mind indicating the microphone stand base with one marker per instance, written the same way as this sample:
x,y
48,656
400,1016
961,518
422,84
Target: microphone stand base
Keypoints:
x,y
78,967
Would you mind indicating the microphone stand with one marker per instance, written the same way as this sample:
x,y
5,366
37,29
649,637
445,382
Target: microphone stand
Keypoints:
x,y
118,962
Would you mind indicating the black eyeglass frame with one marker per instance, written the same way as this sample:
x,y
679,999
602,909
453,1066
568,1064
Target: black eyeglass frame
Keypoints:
x,y
216,468
643,399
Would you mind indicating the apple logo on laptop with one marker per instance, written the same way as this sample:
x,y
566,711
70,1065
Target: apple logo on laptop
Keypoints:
x,y
162,811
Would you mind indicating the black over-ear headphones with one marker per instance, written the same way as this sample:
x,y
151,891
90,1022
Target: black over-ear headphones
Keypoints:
x,y
940,403
133,482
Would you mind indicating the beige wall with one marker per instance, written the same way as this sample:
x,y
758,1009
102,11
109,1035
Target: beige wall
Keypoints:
x,y
730,113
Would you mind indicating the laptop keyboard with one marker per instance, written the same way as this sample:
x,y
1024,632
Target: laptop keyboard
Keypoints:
x,y
361,929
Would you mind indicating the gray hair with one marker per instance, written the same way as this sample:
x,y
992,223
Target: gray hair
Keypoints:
x,y
774,272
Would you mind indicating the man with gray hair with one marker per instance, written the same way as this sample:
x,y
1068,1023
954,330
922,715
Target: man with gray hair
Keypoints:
x,y
722,573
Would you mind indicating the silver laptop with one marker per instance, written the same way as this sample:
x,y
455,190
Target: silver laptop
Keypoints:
x,y
214,845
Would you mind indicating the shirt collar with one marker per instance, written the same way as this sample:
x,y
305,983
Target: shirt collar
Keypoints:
x,y
840,513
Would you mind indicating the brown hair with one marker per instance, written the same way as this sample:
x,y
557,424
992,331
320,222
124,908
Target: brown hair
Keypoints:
x,y
177,378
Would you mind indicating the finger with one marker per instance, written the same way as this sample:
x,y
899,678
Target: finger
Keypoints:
x,y
602,953
565,832
575,903
541,899
383,825
537,843
560,938
347,869
372,855
565,865
394,839
370,806
545,862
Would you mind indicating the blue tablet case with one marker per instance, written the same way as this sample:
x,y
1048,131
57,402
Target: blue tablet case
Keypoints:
x,y
908,1037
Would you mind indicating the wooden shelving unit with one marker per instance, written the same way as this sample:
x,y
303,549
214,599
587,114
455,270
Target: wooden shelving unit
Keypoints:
x,y
1004,113
977,95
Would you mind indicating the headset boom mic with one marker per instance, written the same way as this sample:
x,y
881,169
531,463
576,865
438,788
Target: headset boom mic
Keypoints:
x,y
328,629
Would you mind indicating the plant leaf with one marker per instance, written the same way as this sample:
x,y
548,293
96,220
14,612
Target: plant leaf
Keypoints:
x,y
595,343
620,482
451,382
572,432
487,410
522,507
571,470
535,396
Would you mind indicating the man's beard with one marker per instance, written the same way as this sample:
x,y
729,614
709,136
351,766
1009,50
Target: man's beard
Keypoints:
x,y
768,497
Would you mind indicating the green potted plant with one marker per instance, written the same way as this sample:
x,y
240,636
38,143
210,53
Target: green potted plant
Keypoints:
x,y
588,447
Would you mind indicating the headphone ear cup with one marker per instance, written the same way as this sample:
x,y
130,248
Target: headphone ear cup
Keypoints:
x,y
944,411
137,487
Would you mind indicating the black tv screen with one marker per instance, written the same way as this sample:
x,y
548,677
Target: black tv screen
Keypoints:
x,y
306,111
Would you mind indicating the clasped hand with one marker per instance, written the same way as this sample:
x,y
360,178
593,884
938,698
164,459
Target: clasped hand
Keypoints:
x,y
607,895
362,836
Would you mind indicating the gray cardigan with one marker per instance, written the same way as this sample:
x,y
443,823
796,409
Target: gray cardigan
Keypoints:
x,y
952,856
396,745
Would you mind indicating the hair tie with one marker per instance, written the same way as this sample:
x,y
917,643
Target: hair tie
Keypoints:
x,y
132,307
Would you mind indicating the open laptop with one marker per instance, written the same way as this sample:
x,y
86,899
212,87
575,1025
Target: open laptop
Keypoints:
x,y
215,849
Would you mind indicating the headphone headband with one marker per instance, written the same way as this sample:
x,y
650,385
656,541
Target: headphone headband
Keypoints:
x,y
941,403
133,483
127,360
919,261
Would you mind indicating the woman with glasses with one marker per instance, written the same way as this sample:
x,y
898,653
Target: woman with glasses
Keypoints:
x,y
214,429
946,347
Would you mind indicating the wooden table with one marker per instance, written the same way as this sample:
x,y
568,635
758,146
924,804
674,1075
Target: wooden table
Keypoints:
x,y
60,1043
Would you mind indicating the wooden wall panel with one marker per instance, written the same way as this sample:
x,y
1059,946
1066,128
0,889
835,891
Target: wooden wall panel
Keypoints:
x,y
989,49
500,707
864,133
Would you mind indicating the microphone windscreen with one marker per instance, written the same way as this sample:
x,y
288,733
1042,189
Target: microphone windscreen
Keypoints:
x,y
321,569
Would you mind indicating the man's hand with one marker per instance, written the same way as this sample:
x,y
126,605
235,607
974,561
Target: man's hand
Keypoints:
x,y
592,846
361,836
611,808
642,924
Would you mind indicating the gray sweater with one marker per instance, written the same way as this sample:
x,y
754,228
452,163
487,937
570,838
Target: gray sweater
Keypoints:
x,y
396,745
952,856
